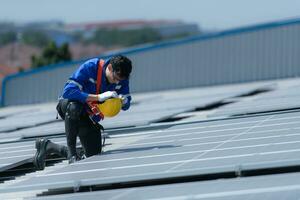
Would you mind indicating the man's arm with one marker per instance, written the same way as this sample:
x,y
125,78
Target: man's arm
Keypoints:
x,y
73,90
101,97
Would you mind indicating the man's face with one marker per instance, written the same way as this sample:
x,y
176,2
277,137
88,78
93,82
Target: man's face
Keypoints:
x,y
111,75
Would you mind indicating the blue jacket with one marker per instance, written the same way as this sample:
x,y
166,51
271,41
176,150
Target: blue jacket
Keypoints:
x,y
83,82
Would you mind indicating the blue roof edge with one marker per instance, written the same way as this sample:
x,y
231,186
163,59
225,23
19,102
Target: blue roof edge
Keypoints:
x,y
152,46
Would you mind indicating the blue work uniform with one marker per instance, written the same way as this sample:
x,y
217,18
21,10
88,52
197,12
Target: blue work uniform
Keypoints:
x,y
83,82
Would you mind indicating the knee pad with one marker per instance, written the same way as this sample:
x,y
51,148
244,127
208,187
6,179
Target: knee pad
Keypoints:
x,y
74,111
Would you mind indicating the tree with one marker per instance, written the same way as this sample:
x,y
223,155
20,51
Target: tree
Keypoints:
x,y
110,37
7,37
35,37
52,54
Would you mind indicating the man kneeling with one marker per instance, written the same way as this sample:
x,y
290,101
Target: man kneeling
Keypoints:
x,y
93,82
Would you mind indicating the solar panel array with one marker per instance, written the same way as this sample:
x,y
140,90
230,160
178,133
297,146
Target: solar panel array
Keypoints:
x,y
186,150
226,155
250,188
285,97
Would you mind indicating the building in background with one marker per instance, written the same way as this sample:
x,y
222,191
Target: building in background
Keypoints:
x,y
21,41
166,28
260,52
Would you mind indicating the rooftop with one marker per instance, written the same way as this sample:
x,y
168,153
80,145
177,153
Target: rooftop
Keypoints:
x,y
222,142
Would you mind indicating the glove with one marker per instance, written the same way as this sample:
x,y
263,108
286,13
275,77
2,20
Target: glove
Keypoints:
x,y
106,95
123,98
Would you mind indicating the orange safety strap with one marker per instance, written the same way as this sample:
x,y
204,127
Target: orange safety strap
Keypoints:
x,y
93,105
99,75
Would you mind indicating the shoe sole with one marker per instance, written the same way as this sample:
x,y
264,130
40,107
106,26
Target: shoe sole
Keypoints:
x,y
37,154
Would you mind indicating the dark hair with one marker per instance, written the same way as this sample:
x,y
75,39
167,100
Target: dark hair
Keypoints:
x,y
121,65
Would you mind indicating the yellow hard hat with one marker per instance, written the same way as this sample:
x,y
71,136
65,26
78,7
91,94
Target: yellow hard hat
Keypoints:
x,y
110,107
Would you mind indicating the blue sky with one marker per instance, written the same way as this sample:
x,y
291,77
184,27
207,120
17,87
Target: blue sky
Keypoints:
x,y
208,14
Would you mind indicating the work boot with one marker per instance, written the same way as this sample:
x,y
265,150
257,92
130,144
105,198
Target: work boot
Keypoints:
x,y
60,150
41,152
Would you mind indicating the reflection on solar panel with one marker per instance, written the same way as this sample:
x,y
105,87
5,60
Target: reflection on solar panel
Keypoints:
x,y
198,157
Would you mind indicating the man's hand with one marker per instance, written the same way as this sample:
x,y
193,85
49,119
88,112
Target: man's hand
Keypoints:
x,y
123,98
106,95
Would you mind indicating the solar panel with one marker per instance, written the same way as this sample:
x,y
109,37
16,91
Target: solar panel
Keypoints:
x,y
220,146
15,110
284,97
199,148
26,120
45,130
163,105
153,107
14,154
271,187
